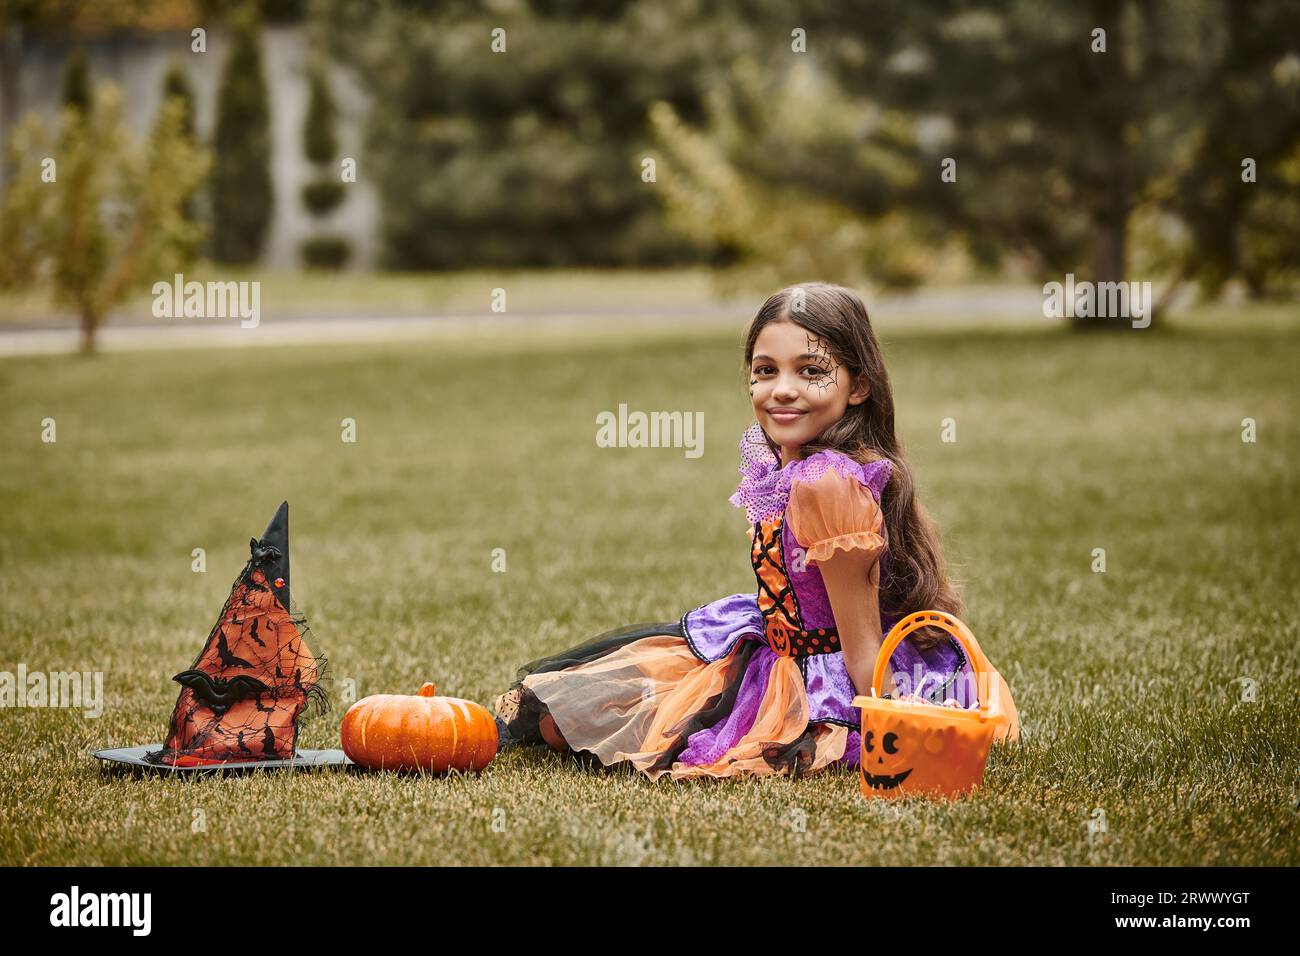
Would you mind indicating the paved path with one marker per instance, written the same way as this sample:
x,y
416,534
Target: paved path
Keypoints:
x,y
949,307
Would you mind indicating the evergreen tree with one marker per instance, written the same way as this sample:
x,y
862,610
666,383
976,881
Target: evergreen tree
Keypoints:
x,y
739,186
177,90
242,191
176,83
1246,224
323,194
1061,117
319,143
76,82
516,137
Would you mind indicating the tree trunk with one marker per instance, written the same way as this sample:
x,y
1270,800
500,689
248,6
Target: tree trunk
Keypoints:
x,y
1110,192
1256,284
89,324
1109,247
11,55
1108,251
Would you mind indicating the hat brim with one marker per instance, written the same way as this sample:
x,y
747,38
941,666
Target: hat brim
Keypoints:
x,y
135,757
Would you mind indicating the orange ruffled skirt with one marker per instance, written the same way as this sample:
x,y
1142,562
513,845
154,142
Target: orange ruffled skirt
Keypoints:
x,y
640,696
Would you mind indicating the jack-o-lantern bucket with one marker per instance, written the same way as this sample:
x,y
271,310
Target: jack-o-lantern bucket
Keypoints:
x,y
911,747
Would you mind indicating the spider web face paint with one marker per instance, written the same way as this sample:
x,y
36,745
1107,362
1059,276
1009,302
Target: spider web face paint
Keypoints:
x,y
823,360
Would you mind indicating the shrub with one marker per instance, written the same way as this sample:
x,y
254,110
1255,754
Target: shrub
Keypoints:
x,y
325,252
322,196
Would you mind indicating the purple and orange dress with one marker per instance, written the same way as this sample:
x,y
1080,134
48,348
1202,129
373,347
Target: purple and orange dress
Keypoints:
x,y
751,683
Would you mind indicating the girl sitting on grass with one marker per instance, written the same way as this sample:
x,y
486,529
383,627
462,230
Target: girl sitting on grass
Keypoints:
x,y
763,682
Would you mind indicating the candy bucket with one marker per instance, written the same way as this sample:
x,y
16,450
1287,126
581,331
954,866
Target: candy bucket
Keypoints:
x,y
912,747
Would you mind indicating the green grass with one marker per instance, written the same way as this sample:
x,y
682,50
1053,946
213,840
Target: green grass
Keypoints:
x,y
1124,680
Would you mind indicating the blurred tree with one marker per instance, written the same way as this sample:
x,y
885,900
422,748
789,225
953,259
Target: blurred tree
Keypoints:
x,y
176,86
323,194
23,22
1059,116
269,11
747,185
93,213
76,82
176,83
21,19
319,142
1250,94
532,155
242,192
1270,231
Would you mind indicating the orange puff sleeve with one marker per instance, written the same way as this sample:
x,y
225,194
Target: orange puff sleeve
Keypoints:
x,y
835,512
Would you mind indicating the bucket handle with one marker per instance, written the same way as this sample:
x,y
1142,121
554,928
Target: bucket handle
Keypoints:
x,y
914,622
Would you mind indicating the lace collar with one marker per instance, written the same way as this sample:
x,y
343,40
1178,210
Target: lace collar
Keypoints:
x,y
764,489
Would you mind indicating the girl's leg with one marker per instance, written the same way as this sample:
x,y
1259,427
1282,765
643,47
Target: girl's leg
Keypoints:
x,y
551,734
525,720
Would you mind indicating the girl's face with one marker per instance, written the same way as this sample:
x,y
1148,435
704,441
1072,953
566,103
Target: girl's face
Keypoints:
x,y
797,386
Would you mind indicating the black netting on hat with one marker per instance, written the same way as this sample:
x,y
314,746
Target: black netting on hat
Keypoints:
x,y
256,674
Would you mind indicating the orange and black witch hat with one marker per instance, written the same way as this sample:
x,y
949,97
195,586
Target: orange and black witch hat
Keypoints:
x,y
241,699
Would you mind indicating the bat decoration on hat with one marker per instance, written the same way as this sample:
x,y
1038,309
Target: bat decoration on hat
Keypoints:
x,y
241,699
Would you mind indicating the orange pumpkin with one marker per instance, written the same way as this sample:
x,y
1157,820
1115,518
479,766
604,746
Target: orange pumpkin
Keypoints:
x,y
419,732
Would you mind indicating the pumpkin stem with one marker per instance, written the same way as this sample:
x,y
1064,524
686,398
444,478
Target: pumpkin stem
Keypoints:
x,y
428,690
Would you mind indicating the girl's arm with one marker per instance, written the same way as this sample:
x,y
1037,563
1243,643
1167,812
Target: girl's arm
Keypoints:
x,y
839,521
852,580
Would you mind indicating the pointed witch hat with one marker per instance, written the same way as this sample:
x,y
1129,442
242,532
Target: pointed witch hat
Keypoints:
x,y
241,699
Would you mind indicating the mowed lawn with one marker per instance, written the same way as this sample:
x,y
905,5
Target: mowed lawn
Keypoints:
x,y
1158,698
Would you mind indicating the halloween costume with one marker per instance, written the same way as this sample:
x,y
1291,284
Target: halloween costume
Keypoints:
x,y
241,699
748,683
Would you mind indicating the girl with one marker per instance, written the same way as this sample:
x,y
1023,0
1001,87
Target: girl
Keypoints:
x,y
763,683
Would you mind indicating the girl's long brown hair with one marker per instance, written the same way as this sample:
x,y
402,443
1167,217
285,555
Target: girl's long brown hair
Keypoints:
x,y
918,575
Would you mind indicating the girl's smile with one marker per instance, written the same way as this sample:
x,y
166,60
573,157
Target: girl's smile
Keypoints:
x,y
798,388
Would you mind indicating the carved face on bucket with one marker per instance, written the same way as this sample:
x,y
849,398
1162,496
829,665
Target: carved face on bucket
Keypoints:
x,y
884,765
906,751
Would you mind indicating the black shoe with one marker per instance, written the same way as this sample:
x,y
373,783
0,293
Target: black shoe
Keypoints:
x,y
504,740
